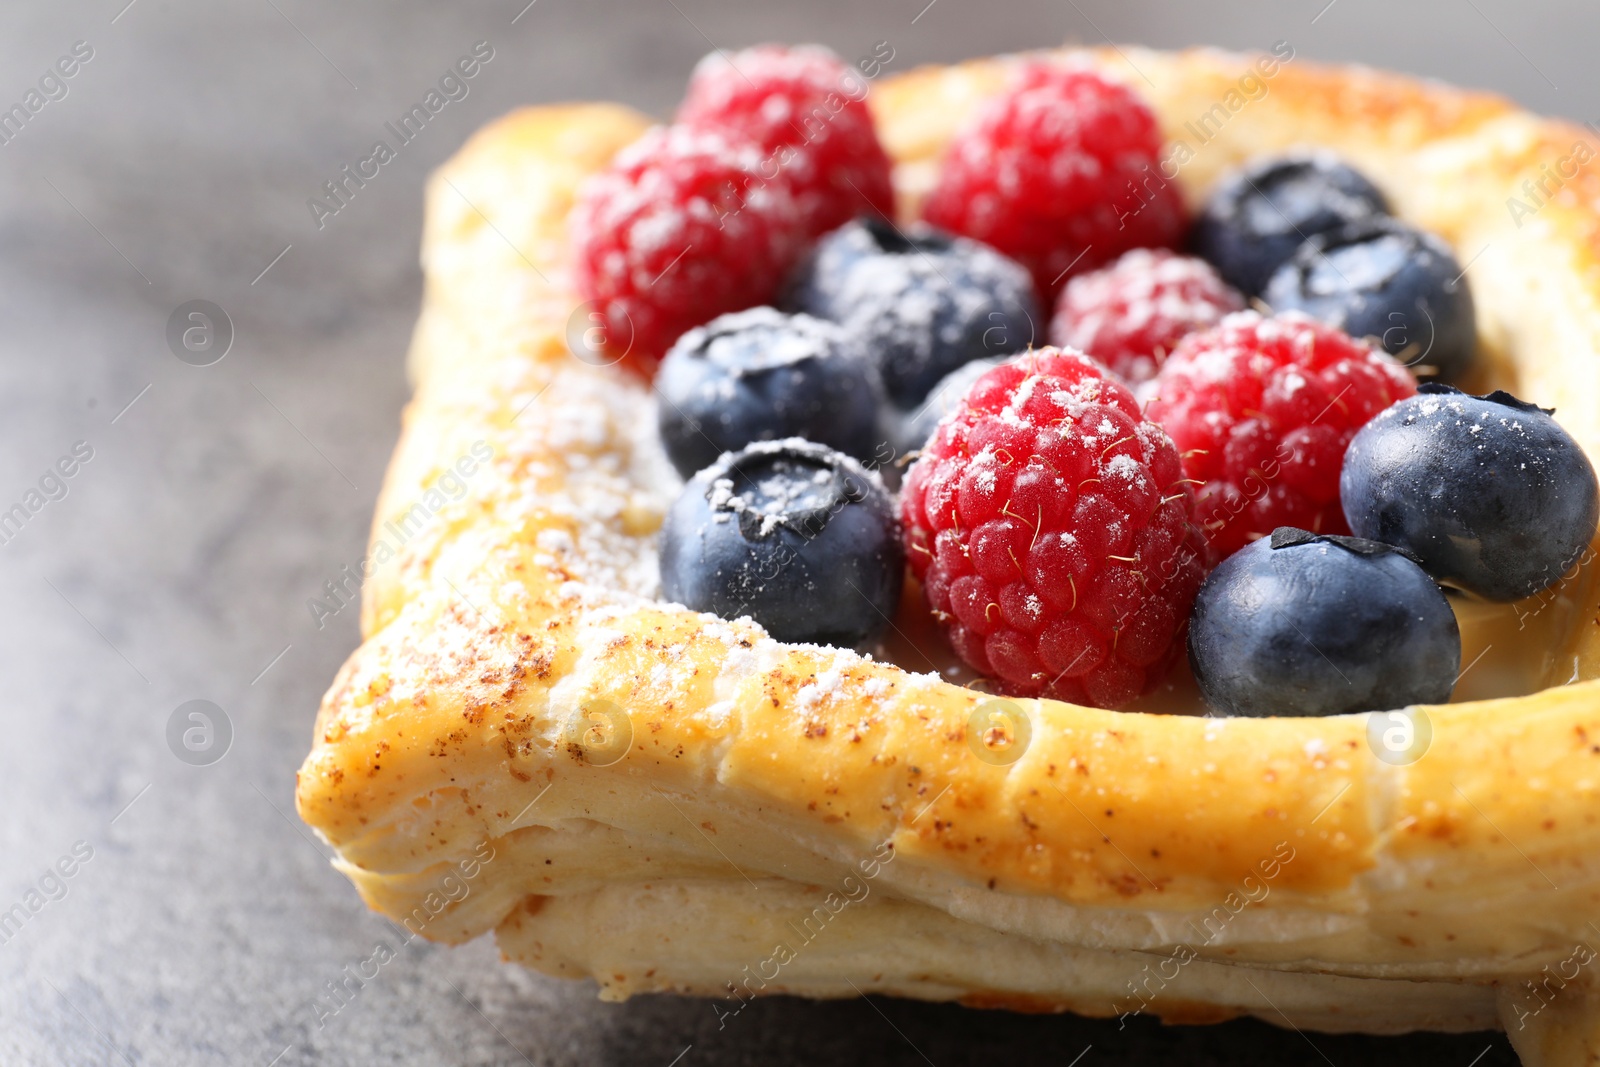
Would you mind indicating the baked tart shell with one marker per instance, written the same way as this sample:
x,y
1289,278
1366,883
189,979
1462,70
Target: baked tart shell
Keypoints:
x,y
759,817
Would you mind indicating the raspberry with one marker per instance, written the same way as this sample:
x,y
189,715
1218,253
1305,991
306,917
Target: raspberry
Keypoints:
x,y
1049,524
1060,173
679,229
807,110
1130,314
1263,409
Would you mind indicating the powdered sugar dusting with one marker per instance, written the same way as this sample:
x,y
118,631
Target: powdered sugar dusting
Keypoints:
x,y
597,531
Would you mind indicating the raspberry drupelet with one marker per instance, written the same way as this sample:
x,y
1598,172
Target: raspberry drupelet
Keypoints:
x,y
807,109
679,229
1049,524
1062,173
1262,410
1132,313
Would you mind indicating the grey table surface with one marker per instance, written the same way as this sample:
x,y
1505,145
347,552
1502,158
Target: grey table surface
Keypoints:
x,y
205,923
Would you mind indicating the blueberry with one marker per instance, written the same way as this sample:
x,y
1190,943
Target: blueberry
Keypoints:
x,y
1489,493
919,301
795,535
761,375
1258,216
1383,279
1310,624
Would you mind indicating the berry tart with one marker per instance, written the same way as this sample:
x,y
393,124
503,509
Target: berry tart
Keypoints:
x,y
955,536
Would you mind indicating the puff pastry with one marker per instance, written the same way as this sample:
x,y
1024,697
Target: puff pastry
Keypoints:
x,y
528,742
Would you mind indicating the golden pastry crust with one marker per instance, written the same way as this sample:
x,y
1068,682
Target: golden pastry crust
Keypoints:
x,y
1296,875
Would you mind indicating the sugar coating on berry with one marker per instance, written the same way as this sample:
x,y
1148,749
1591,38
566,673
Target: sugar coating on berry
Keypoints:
x,y
680,228
807,110
1049,524
1262,410
1060,172
1130,315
